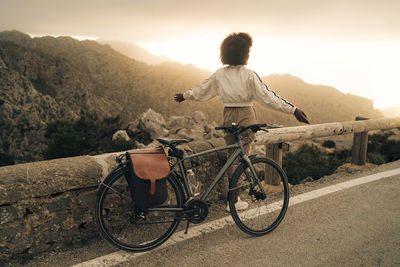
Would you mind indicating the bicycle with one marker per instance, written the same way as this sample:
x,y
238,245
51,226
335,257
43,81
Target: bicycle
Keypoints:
x,y
138,229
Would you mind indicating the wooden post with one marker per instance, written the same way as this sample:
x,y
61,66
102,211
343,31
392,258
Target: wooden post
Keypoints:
x,y
360,143
275,152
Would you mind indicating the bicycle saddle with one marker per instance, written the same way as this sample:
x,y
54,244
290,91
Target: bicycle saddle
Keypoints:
x,y
172,142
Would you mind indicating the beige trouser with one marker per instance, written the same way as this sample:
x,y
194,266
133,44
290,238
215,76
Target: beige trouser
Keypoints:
x,y
242,116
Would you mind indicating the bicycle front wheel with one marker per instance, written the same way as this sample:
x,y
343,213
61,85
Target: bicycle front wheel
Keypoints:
x,y
128,226
258,206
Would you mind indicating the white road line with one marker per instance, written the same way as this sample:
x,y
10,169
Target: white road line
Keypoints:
x,y
122,256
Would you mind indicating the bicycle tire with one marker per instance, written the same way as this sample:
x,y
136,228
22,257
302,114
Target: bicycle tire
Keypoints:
x,y
132,228
262,215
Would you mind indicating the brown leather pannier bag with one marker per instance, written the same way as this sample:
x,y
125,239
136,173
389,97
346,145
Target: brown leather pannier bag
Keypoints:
x,y
148,171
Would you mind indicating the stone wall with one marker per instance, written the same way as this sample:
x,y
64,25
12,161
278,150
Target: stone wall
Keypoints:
x,y
49,204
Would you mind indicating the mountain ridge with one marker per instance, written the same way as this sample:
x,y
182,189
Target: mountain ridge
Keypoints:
x,y
47,78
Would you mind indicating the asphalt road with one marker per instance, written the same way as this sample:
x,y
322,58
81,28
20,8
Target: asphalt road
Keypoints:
x,y
359,226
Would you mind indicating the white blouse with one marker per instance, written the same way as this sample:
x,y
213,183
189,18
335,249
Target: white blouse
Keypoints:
x,y
238,86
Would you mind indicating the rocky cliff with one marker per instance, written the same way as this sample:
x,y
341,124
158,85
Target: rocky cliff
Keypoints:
x,y
42,79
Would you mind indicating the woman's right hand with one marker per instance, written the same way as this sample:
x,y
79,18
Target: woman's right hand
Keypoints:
x,y
179,98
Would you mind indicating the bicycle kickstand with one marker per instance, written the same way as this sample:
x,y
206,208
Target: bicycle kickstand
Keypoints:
x,y
187,227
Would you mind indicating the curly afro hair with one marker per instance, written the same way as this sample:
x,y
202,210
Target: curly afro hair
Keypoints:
x,y
235,49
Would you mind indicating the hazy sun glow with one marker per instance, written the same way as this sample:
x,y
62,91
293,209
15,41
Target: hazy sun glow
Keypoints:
x,y
366,69
202,52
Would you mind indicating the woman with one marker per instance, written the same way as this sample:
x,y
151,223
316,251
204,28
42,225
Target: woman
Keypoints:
x,y
237,87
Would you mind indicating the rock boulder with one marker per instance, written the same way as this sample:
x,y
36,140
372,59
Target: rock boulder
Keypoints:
x,y
150,122
120,135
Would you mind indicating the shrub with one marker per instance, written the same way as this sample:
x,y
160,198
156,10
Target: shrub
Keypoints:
x,y
309,161
87,135
63,140
375,158
329,144
380,144
343,155
6,160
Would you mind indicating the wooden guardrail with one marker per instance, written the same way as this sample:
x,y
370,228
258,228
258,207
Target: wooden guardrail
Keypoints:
x,y
275,138
280,135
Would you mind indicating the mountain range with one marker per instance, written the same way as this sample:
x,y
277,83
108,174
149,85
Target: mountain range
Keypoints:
x,y
46,78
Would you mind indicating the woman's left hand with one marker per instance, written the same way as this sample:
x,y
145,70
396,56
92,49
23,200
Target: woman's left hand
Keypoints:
x,y
179,98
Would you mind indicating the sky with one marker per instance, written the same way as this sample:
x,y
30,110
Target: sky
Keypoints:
x,y
352,45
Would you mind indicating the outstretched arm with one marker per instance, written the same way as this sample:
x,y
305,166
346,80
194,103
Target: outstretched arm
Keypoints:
x,y
269,98
202,92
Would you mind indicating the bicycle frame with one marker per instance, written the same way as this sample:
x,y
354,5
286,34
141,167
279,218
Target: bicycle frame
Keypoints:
x,y
238,153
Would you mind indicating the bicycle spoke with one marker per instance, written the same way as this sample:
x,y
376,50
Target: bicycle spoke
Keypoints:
x,y
240,186
116,191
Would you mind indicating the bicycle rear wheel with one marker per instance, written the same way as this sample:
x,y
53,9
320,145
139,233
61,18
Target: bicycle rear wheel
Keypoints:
x,y
264,211
133,228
